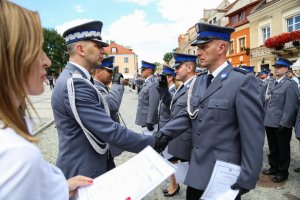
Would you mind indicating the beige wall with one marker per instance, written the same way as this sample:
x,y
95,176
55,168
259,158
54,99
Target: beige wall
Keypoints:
x,y
131,65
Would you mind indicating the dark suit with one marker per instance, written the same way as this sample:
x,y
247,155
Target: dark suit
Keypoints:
x,y
113,99
228,127
280,111
76,156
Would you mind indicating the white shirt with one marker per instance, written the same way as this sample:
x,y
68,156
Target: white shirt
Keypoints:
x,y
278,80
24,172
84,70
187,81
218,70
171,87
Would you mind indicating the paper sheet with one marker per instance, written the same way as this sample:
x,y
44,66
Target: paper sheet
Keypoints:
x,y
219,187
134,178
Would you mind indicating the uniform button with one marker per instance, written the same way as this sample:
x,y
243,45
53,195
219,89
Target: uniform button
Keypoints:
x,y
197,147
202,106
95,171
200,120
198,133
217,105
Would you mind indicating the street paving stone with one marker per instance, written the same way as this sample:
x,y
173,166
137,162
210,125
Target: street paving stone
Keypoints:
x,y
48,145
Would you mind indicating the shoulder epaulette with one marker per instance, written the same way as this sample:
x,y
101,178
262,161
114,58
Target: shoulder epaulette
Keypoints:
x,y
240,69
202,73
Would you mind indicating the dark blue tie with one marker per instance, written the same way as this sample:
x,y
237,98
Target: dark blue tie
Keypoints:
x,y
92,80
208,79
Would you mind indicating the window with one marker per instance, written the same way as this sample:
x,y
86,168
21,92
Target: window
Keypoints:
x,y
242,44
265,31
125,59
242,16
126,69
114,50
234,19
231,50
293,23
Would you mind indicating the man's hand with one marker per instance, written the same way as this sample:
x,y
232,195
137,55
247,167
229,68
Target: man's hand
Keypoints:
x,y
161,141
117,78
241,190
150,127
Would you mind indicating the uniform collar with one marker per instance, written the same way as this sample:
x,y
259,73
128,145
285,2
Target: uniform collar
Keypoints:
x,y
188,81
171,87
218,70
279,80
85,71
147,79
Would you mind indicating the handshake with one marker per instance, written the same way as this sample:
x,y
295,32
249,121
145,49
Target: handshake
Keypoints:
x,y
161,141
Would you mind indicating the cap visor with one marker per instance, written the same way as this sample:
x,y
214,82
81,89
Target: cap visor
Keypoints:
x,y
109,68
176,65
103,44
196,42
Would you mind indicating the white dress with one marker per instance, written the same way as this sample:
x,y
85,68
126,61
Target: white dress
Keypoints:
x,y
24,174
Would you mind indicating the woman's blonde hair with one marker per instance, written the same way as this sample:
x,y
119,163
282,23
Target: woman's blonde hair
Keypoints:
x,y
21,40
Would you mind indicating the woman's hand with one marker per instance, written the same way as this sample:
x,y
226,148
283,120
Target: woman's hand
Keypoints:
x,y
78,181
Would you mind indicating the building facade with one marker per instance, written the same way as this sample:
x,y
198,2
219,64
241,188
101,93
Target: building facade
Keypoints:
x,y
125,59
239,49
268,19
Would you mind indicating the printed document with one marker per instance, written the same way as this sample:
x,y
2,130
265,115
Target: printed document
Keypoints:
x,y
219,187
132,180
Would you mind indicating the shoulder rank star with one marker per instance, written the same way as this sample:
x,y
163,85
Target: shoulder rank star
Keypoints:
x,y
223,76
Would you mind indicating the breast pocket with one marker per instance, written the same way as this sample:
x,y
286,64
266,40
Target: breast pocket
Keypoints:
x,y
218,109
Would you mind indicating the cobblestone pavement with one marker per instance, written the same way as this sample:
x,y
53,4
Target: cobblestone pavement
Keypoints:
x,y
48,145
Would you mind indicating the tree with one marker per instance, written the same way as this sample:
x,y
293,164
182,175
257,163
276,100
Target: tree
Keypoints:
x,y
56,49
167,57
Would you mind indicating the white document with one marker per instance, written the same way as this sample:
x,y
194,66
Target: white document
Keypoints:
x,y
219,187
132,180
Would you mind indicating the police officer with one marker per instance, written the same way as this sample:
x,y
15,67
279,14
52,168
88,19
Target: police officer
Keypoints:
x,y
181,146
81,115
264,79
164,111
104,75
225,113
147,110
280,115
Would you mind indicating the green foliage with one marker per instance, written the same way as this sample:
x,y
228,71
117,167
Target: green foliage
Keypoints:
x,y
167,57
56,49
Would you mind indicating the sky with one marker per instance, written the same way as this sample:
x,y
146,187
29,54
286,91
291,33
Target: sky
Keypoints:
x,y
150,27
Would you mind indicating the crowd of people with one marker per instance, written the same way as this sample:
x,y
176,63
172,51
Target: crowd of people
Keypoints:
x,y
194,116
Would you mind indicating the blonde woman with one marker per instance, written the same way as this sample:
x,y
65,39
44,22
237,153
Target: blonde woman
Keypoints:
x,y
24,172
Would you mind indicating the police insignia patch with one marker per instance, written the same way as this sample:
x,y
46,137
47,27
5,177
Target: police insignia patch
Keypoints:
x,y
223,76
